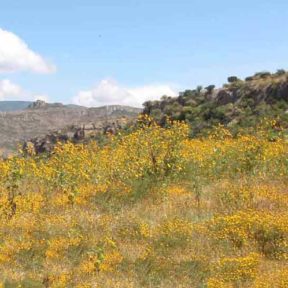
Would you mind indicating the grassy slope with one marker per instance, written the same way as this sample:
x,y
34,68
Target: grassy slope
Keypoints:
x,y
149,209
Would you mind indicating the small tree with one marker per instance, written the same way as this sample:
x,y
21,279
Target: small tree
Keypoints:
x,y
199,89
250,78
232,79
210,88
263,74
280,72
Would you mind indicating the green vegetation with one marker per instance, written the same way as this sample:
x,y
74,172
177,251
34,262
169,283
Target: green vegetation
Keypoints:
x,y
150,208
238,105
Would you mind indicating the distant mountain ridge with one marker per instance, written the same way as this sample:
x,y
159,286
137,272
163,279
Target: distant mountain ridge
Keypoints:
x,y
9,106
39,118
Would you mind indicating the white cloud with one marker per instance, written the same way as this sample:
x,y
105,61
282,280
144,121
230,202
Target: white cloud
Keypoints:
x,y
9,90
12,91
41,97
108,92
15,55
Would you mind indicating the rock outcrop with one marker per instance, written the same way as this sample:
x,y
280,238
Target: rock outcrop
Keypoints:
x,y
85,133
237,104
41,118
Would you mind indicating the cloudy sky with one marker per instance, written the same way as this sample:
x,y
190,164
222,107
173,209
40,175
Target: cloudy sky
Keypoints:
x,y
98,52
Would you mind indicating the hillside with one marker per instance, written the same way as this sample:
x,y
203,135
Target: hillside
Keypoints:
x,y
40,118
238,104
153,208
150,206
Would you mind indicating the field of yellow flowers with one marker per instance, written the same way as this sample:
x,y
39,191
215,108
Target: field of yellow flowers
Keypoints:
x,y
151,208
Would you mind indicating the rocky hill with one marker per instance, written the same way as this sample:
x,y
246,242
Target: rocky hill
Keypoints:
x,y
41,119
238,104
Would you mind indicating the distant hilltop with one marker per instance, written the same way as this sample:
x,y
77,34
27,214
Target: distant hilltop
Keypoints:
x,y
9,106
37,119
12,106
38,104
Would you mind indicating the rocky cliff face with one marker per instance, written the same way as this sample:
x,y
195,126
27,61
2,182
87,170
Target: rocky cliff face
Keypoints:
x,y
74,134
269,93
40,104
41,119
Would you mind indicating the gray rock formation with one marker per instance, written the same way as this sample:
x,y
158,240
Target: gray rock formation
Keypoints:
x,y
41,118
73,134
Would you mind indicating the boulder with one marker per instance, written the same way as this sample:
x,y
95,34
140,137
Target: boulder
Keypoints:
x,y
224,97
79,134
38,104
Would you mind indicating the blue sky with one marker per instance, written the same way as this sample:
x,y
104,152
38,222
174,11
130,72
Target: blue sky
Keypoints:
x,y
108,52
